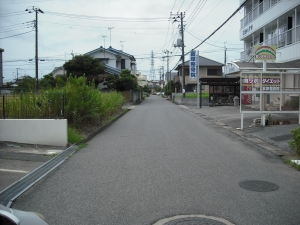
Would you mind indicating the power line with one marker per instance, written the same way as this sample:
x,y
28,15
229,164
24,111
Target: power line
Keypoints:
x,y
122,19
16,35
241,6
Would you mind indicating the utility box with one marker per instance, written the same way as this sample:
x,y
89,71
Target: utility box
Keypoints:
x,y
236,101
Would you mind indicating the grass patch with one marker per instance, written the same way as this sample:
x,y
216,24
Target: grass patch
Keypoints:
x,y
293,164
81,146
74,135
194,95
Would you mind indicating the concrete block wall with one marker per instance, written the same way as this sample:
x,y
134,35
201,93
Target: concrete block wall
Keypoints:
x,y
35,131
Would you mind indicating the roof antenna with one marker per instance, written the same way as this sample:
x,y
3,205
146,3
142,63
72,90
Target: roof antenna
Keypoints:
x,y
122,44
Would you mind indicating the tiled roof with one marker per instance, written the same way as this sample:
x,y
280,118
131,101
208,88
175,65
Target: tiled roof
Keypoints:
x,y
203,62
111,50
112,70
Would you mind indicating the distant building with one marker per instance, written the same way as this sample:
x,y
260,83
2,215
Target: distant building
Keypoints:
x,y
141,79
114,60
58,71
208,69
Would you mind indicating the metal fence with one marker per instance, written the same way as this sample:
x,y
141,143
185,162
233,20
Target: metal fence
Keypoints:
x,y
32,106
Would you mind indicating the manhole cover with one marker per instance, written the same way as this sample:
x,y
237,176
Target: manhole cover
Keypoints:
x,y
193,220
282,137
258,185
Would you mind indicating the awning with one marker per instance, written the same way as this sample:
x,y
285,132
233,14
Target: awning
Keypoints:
x,y
220,81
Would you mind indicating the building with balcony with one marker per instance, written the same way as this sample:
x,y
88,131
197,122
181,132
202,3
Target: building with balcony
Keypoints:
x,y
269,84
271,22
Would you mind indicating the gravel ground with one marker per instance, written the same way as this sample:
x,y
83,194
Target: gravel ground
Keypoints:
x,y
276,135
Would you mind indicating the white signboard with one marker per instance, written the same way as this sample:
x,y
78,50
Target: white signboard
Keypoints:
x,y
193,65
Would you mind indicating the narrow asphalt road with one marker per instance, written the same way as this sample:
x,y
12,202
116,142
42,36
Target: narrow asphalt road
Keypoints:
x,y
159,161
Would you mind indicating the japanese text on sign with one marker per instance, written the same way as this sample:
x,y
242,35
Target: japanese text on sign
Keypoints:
x,y
193,66
264,81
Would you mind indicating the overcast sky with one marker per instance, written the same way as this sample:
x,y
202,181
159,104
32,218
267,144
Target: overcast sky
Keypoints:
x,y
141,26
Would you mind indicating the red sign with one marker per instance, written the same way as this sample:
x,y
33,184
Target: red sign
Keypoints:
x,y
247,97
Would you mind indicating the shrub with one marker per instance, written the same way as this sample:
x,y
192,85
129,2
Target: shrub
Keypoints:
x,y
74,135
85,104
295,142
294,102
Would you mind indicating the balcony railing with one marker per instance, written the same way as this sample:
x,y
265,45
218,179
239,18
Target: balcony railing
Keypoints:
x,y
257,11
284,39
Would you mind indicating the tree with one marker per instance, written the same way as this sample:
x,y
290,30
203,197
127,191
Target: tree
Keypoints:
x,y
26,85
47,82
126,81
86,65
170,87
111,81
146,89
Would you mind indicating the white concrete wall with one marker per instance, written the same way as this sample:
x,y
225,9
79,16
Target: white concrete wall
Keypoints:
x,y
35,131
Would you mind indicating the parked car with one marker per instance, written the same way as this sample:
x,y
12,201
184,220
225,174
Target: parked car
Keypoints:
x,y
9,216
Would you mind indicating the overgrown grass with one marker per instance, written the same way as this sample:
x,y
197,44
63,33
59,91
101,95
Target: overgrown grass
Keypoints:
x,y
293,164
194,95
74,135
81,146
77,102
295,142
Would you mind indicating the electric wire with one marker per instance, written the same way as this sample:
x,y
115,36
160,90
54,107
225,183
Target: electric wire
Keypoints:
x,y
121,19
16,35
201,21
191,20
241,6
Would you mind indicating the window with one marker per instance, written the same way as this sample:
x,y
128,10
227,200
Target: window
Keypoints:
x,y
214,72
104,60
122,64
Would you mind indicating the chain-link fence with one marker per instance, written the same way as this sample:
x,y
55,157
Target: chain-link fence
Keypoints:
x,y
32,106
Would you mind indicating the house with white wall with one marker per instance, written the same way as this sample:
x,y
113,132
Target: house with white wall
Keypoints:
x,y
141,79
114,60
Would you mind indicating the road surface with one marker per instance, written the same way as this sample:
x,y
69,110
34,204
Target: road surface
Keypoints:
x,y
160,161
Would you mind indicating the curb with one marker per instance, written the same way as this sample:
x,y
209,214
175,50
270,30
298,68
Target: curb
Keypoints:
x,y
98,130
263,144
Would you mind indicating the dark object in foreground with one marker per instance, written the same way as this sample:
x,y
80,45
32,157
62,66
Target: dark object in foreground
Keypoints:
x,y
10,216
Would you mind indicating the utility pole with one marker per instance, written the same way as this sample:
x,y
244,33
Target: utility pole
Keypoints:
x,y
17,73
1,69
36,10
175,17
168,77
110,34
225,55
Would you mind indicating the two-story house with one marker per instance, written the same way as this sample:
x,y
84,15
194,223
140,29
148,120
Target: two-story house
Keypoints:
x,y
208,69
114,60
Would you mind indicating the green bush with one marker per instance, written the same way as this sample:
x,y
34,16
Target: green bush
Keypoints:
x,y
83,103
74,135
294,102
295,142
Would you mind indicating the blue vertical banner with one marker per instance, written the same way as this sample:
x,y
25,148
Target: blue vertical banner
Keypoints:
x,y
193,65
